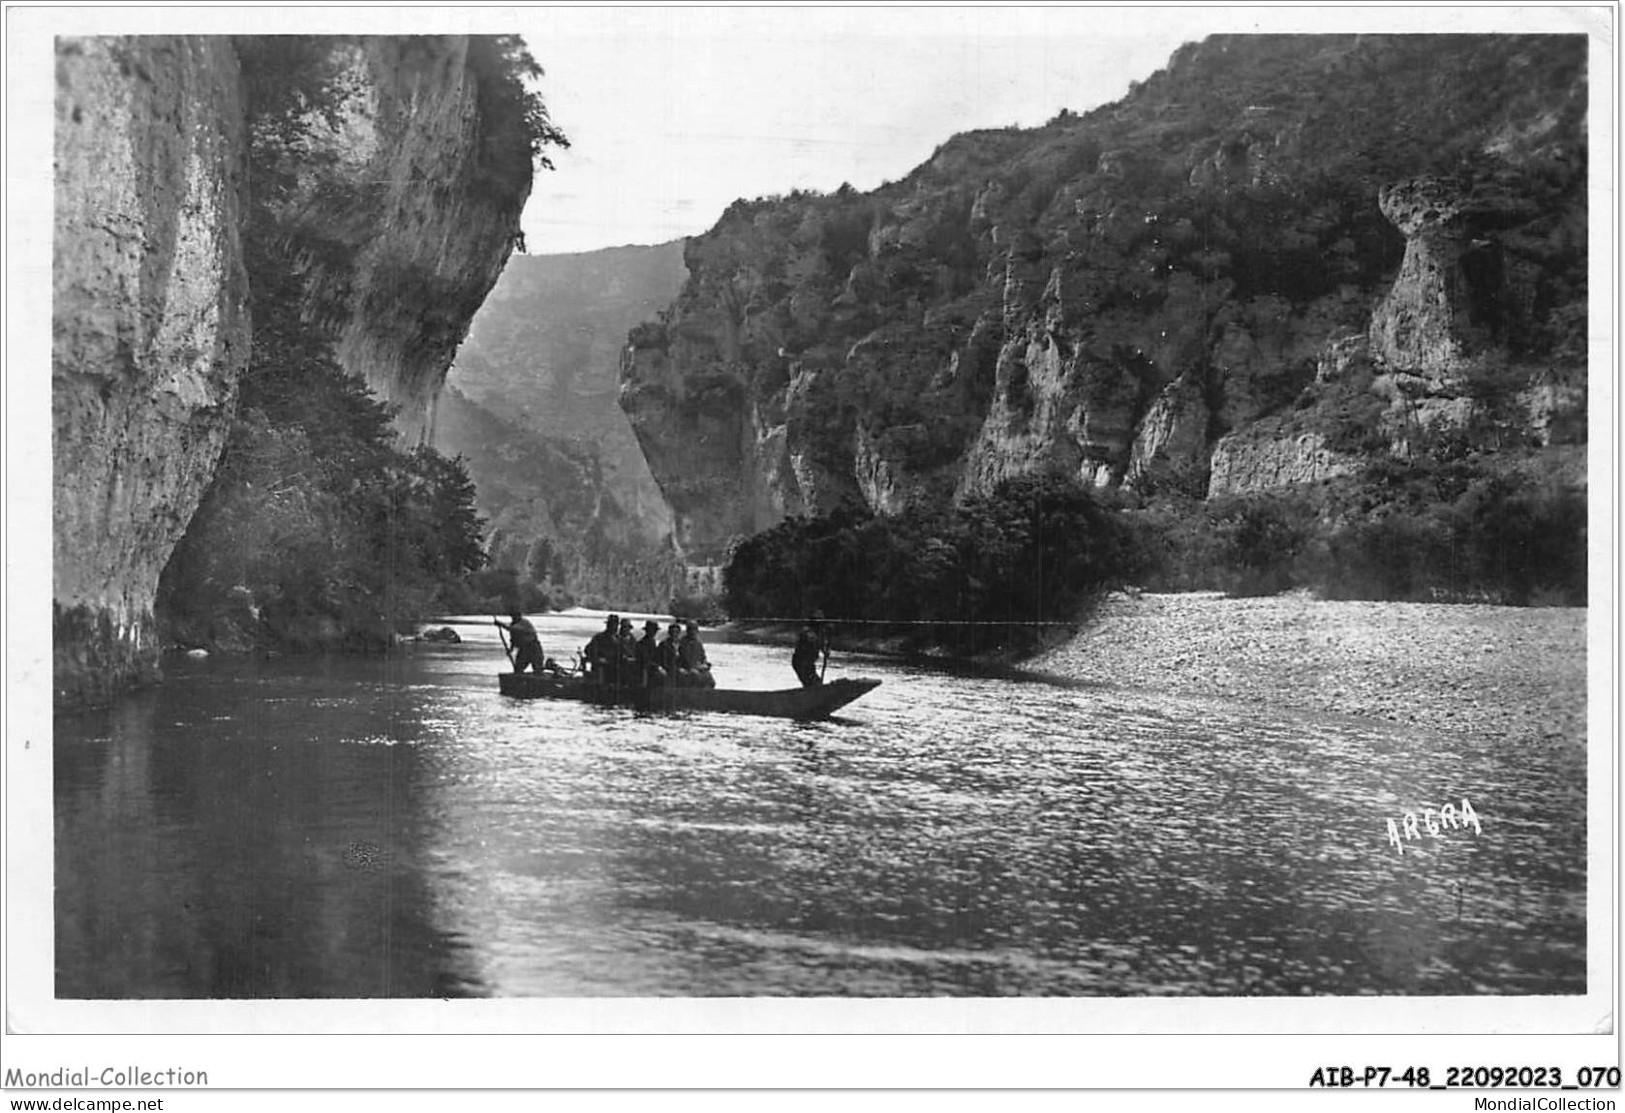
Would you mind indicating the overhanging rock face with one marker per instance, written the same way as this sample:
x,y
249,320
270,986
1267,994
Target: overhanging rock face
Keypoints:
x,y
417,187
406,191
149,330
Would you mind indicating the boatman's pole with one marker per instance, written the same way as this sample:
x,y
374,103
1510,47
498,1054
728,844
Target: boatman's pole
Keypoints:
x,y
504,638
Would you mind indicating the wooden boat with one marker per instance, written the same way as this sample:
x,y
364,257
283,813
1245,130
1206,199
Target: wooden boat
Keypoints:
x,y
784,703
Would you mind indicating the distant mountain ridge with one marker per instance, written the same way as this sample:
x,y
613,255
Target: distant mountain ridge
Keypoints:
x,y
1275,259
531,406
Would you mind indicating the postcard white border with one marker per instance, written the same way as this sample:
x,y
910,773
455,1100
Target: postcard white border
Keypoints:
x,y
937,1042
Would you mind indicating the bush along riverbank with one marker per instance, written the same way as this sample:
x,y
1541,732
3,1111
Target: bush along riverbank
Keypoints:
x,y
1005,575
974,579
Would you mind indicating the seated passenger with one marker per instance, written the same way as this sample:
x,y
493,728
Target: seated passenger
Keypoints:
x,y
627,641
649,671
694,670
670,653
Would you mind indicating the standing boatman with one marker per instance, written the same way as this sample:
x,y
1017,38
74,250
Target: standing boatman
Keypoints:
x,y
527,646
811,644
604,652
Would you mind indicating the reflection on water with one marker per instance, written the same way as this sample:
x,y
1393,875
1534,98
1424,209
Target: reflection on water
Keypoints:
x,y
395,828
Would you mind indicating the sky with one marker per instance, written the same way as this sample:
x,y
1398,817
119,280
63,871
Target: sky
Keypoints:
x,y
674,112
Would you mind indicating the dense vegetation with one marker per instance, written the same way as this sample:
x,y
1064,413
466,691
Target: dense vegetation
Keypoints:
x,y
319,531
1218,227
1418,530
1001,572
1206,258
991,574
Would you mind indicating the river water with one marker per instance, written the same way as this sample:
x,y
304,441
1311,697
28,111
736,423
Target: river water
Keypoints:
x,y
395,828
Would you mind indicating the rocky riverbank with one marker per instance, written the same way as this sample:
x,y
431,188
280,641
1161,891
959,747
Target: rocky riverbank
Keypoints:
x,y
1514,672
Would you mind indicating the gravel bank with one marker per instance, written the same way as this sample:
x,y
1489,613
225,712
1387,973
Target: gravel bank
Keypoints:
x,y
1513,672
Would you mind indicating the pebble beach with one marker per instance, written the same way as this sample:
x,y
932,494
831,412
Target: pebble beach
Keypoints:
x,y
1516,673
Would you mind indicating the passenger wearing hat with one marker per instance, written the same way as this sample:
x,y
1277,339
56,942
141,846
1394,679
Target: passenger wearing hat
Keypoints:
x,y
670,657
694,669
603,652
648,655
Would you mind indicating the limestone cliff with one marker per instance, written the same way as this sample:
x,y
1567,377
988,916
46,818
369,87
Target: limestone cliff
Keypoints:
x,y
149,329
1415,325
1271,458
394,181
154,272
1271,260
712,457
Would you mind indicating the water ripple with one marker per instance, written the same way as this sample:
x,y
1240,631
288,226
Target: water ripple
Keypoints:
x,y
948,835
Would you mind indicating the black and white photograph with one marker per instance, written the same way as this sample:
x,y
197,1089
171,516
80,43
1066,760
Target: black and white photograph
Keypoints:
x,y
813,519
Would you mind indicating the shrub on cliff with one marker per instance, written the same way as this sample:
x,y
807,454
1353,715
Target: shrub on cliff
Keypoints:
x,y
516,117
292,81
